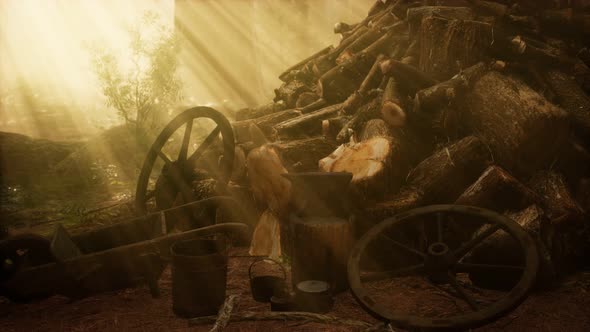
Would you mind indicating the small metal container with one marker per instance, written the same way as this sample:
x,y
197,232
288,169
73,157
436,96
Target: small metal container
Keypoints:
x,y
313,296
265,286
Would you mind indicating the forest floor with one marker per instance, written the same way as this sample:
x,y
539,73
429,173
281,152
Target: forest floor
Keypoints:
x,y
565,308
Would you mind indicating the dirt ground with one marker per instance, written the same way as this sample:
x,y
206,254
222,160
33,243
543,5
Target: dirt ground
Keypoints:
x,y
566,308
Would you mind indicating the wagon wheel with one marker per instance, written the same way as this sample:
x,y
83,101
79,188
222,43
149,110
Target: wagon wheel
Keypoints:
x,y
177,175
436,263
21,251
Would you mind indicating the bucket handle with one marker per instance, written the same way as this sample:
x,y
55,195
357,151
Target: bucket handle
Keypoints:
x,y
266,259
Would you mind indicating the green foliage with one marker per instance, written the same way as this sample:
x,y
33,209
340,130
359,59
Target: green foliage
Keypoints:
x,y
145,89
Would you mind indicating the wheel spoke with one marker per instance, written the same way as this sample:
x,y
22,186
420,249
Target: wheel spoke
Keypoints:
x,y
166,159
462,293
150,194
401,272
467,247
439,228
470,267
185,140
404,247
177,178
203,147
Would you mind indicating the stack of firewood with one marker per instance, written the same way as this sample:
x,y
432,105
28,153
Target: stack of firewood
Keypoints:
x,y
448,101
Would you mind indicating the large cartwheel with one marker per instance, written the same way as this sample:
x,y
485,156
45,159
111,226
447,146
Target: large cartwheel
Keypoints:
x,y
174,183
439,263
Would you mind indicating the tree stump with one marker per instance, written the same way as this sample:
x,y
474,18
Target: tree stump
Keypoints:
x,y
321,246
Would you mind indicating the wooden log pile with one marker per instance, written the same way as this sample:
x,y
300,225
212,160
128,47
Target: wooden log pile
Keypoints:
x,y
477,102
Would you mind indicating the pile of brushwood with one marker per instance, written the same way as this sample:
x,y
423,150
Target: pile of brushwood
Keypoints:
x,y
470,102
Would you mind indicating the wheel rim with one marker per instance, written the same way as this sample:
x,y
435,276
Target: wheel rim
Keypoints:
x,y
174,168
432,268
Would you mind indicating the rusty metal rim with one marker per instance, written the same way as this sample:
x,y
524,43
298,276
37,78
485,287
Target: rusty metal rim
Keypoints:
x,y
474,319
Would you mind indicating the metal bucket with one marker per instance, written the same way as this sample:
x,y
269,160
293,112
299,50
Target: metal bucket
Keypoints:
x,y
264,287
199,273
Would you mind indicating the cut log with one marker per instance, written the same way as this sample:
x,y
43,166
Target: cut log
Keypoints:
x,y
400,8
306,99
362,42
366,112
256,112
370,162
303,155
316,105
443,176
447,46
491,7
268,186
339,82
409,78
405,200
327,259
513,121
501,249
556,196
417,14
379,165
373,78
285,74
530,50
497,190
309,124
265,124
568,229
391,107
342,27
377,7
326,62
331,127
290,91
442,94
375,128
572,99
412,55
386,19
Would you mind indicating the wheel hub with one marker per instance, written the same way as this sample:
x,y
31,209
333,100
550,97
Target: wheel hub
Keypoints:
x,y
438,261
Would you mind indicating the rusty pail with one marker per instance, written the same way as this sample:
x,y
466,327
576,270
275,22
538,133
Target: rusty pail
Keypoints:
x,y
266,286
199,273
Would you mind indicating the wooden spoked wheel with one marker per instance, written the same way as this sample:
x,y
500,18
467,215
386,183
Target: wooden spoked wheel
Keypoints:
x,y
174,182
429,286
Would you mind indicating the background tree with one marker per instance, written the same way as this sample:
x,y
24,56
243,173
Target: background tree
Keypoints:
x,y
145,88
